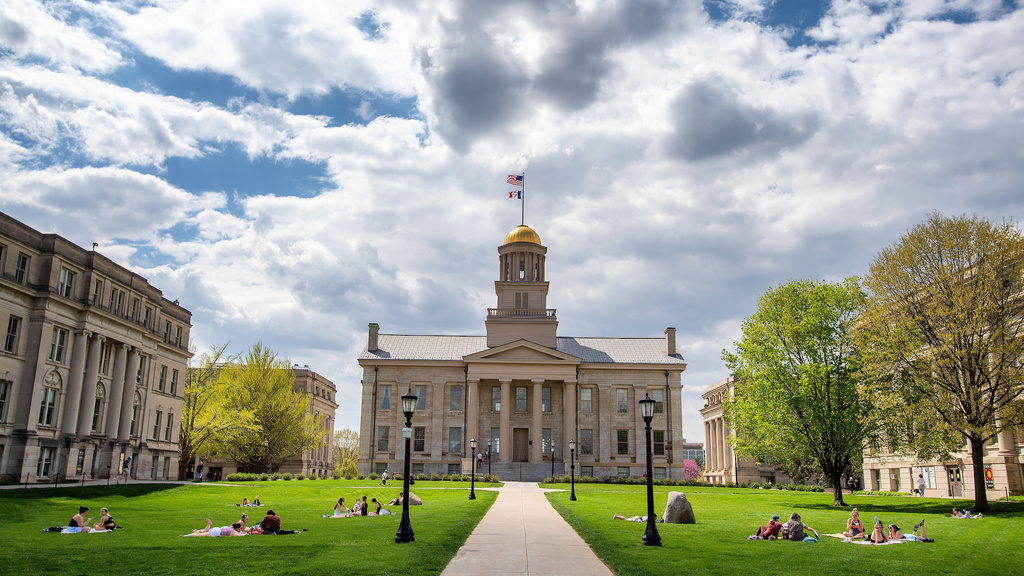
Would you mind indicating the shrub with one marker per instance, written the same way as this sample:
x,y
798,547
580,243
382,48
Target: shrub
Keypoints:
x,y
286,477
730,484
373,476
421,476
276,476
300,476
360,476
398,477
312,477
446,477
264,477
435,476
336,474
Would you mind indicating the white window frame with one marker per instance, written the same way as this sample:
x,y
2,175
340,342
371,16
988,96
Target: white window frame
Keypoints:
x,y
66,283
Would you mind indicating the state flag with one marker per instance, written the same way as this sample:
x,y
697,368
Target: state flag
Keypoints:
x,y
515,194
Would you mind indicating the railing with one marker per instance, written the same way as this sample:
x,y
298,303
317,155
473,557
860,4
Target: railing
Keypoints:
x,y
521,312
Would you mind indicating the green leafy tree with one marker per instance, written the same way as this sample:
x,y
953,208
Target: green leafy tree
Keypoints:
x,y
797,399
283,426
346,450
942,336
206,412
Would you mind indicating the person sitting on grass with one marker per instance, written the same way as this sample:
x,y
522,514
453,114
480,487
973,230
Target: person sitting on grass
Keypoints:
x,y
340,510
271,525
235,529
794,529
633,518
397,501
769,531
106,521
364,508
78,523
357,507
855,526
378,510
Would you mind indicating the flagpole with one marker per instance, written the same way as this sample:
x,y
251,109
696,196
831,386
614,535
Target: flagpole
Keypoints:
x,y
523,203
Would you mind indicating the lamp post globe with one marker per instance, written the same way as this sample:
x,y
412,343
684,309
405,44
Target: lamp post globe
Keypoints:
x,y
405,533
266,444
472,469
651,536
572,469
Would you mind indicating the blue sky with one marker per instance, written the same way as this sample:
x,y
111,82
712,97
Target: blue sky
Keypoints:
x,y
293,171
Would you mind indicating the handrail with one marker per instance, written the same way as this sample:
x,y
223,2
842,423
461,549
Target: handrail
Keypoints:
x,y
521,312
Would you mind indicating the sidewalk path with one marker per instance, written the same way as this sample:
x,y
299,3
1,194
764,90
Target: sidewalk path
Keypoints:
x,y
522,534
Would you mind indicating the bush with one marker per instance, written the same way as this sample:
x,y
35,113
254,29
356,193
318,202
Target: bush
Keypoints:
x,y
360,476
373,476
421,476
264,477
435,476
446,477
312,477
276,476
398,477
300,476
286,477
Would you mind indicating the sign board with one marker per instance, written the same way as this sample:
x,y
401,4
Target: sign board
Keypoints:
x,y
989,477
81,461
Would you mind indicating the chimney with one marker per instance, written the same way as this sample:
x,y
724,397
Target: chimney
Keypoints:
x,y
670,340
371,342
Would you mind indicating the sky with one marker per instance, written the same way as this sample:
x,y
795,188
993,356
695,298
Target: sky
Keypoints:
x,y
293,171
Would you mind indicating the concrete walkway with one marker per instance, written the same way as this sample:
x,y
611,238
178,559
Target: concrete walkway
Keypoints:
x,y
522,534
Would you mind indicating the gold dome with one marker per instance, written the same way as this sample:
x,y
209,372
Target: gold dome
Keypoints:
x,y
522,233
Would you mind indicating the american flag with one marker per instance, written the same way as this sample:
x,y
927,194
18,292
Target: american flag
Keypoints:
x,y
515,179
515,194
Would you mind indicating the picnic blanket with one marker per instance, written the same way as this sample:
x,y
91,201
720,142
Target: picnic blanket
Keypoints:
x,y
862,541
66,531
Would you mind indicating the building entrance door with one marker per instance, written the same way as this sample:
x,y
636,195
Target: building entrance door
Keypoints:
x,y
520,444
956,482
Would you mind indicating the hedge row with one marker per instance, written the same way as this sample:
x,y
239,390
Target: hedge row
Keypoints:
x,y
672,482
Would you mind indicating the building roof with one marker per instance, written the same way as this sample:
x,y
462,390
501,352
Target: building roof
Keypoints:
x,y
588,350
522,233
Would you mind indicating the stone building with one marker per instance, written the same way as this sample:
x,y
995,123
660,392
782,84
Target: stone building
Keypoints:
x,y
93,364
521,390
722,464
316,461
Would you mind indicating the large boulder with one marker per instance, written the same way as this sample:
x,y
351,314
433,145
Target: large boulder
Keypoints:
x,y
414,500
678,510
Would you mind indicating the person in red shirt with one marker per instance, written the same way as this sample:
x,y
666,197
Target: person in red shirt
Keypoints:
x,y
771,530
271,523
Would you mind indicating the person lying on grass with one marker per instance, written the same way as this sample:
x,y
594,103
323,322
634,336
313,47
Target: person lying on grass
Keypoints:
x,y
855,526
878,535
235,529
896,534
633,518
965,514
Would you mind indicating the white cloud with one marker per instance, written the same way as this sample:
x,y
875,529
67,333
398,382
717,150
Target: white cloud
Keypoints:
x,y
29,29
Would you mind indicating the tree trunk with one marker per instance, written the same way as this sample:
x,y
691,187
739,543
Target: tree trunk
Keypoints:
x,y
978,463
837,488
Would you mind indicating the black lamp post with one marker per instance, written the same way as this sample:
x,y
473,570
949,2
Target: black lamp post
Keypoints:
x,y
472,471
405,533
488,457
651,536
266,444
572,469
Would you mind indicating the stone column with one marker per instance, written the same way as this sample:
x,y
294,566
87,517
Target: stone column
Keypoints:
x,y
92,374
537,423
73,400
721,446
125,429
37,351
707,445
569,416
472,400
116,389
505,434
1006,447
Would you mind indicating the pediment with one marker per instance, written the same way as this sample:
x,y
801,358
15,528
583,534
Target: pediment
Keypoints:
x,y
522,351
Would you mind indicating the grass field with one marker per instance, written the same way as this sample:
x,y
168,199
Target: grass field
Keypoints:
x,y
717,543
154,514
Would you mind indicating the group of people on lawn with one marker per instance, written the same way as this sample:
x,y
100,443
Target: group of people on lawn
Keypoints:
x,y
361,508
269,526
79,523
855,530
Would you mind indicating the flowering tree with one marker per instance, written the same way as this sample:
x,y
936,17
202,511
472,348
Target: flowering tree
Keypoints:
x,y
691,471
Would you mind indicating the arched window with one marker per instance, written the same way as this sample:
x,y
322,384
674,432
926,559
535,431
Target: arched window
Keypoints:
x,y
48,405
136,403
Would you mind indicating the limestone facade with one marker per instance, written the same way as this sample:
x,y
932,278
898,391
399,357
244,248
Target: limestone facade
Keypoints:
x,y
722,463
92,370
521,390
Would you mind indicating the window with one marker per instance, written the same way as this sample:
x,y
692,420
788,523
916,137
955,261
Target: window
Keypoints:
x,y
417,468
520,399
47,406
167,467
622,471
382,438
659,473
138,373
105,358
116,300
380,467
496,399
419,438
167,430
659,401
456,398
167,332
622,401
586,442
586,400
421,397
454,469
522,300
587,471
177,336
3,251
385,397
66,284
174,382
163,378
57,342
97,292
623,441
658,441
455,440
156,425
5,392
152,469
545,400
135,416
495,440
147,314
135,308
11,341
96,407
45,459
929,472
21,270
545,441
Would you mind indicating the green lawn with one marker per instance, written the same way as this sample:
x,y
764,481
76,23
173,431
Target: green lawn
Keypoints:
x,y
717,543
154,514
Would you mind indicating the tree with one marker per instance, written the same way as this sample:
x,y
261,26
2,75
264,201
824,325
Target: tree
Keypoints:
x,y
206,413
346,450
282,424
797,397
942,335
